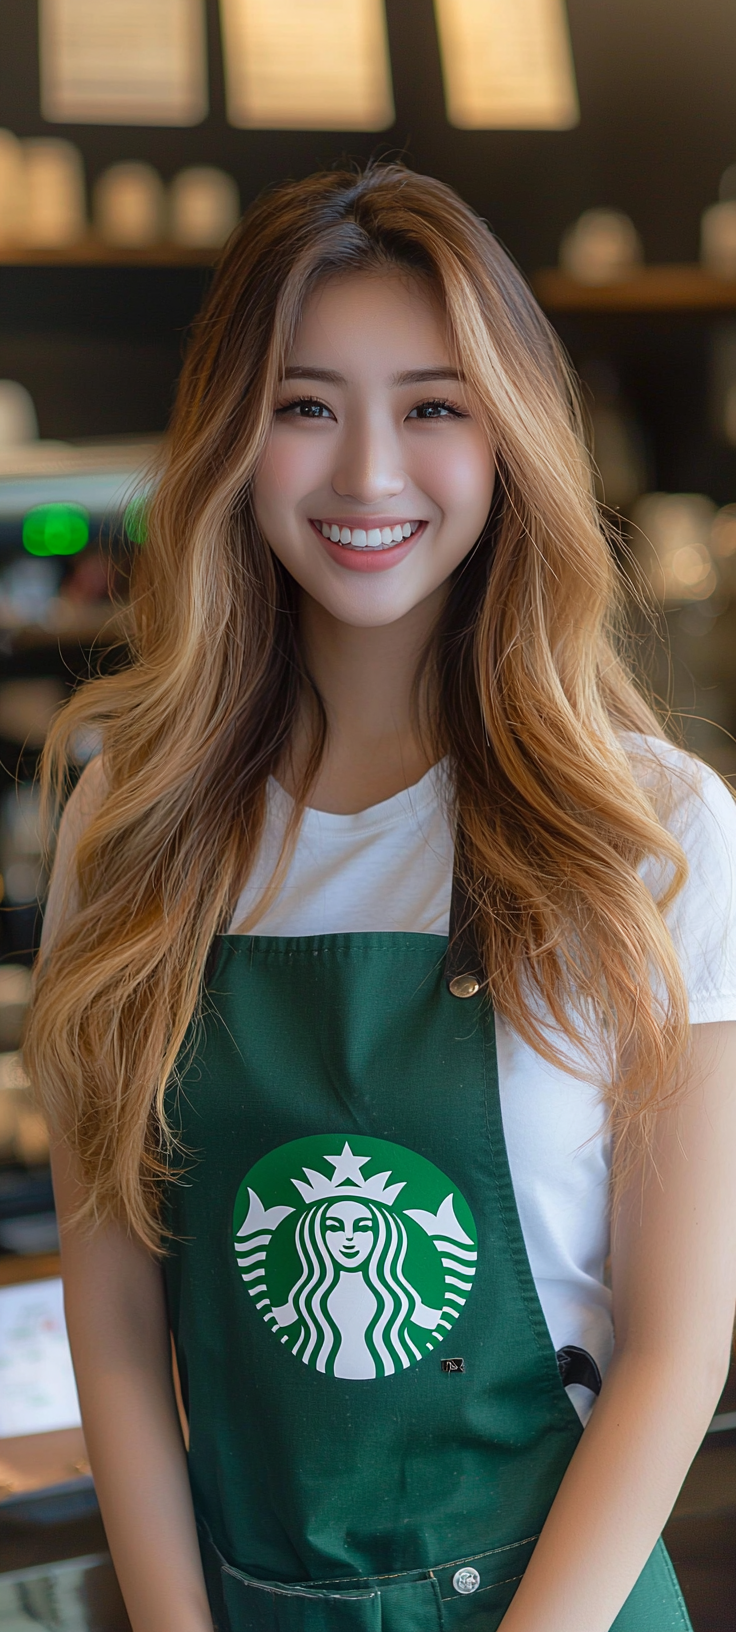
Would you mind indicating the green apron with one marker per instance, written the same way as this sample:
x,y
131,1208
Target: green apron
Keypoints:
x,y
378,1423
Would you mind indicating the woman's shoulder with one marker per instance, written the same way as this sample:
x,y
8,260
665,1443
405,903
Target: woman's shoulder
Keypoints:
x,y
691,799
80,809
88,794
699,809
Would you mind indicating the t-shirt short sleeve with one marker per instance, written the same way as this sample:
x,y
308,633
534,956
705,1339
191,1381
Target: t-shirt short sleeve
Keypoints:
x,y
702,918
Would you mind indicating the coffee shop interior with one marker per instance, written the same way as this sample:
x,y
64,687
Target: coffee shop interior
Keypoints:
x,y
599,142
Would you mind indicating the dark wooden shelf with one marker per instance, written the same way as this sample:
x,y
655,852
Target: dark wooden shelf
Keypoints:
x,y
91,252
670,288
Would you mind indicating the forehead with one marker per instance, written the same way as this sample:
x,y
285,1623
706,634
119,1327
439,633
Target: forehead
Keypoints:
x,y
369,321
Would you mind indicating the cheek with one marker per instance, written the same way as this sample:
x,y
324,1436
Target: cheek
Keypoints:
x,y
459,478
291,468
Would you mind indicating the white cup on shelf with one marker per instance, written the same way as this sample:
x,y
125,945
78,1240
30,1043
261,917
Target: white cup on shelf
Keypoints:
x,y
55,212
18,423
12,190
718,238
204,207
602,246
130,206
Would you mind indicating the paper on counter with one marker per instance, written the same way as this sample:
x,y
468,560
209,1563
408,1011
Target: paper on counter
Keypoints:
x,y
37,1388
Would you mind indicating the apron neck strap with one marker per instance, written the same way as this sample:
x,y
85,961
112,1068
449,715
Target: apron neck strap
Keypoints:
x,y
463,962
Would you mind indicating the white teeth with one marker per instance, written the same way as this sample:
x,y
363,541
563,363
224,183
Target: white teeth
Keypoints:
x,y
375,538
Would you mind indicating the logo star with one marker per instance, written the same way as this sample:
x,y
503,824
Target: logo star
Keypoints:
x,y
347,1166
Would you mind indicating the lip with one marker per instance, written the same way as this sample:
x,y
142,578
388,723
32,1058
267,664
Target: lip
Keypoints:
x,y
369,560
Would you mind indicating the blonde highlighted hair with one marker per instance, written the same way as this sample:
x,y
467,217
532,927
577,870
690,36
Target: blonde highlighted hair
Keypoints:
x,y
532,704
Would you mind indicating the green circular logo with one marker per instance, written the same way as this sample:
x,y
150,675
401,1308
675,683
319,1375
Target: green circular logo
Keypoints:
x,y
358,1254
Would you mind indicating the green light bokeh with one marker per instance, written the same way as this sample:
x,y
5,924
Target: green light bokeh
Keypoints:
x,y
134,520
55,529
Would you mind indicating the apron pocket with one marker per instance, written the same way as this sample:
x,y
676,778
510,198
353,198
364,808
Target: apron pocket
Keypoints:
x,y
239,1603
255,1606
432,1600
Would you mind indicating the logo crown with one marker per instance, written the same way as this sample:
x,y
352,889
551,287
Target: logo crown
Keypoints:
x,y
347,1180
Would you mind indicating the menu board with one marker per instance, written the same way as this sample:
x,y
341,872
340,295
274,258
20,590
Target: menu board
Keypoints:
x,y
123,62
290,65
507,64
37,1388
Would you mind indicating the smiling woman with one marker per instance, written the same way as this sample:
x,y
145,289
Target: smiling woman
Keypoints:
x,y
377,755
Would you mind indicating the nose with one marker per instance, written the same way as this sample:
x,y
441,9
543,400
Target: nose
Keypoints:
x,y
369,466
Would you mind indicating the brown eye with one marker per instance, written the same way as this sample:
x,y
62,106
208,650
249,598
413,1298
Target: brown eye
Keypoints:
x,y
305,408
436,409
313,410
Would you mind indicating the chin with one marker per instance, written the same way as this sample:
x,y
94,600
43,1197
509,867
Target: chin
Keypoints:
x,y
371,610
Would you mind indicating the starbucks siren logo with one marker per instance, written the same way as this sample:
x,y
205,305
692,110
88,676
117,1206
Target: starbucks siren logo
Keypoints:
x,y
354,1281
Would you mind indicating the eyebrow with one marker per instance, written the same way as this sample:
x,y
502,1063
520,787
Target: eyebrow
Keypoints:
x,y
410,376
417,376
326,375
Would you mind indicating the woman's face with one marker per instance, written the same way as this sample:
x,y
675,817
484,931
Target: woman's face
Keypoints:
x,y
378,478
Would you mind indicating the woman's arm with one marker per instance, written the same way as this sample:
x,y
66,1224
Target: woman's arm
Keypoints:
x,y
674,1288
119,1336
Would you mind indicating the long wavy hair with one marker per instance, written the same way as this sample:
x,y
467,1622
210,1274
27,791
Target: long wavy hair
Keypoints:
x,y
532,705
387,1337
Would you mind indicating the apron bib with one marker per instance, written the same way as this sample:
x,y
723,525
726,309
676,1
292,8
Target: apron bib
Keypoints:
x,y
378,1423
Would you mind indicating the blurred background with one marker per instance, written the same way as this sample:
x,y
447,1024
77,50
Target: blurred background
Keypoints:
x,y
598,139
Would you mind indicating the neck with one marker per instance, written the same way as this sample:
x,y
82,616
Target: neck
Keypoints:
x,y
366,678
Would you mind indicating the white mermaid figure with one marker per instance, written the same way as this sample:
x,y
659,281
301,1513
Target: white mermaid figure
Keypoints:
x,y
351,1305
352,1297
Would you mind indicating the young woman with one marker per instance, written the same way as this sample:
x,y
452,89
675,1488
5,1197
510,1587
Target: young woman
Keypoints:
x,y
388,941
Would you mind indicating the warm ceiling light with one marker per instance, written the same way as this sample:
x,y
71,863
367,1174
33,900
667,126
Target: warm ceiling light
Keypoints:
x,y
507,64
293,66
123,62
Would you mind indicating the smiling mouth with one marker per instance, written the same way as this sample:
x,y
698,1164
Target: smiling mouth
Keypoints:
x,y
370,538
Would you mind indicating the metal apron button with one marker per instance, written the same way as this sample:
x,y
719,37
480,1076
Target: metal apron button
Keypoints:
x,y
464,985
466,1580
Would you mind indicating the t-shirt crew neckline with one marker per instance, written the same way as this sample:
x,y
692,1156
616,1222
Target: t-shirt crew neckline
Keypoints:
x,y
412,801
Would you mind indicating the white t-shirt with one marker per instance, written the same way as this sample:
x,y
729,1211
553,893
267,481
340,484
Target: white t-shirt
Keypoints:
x,y
390,868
